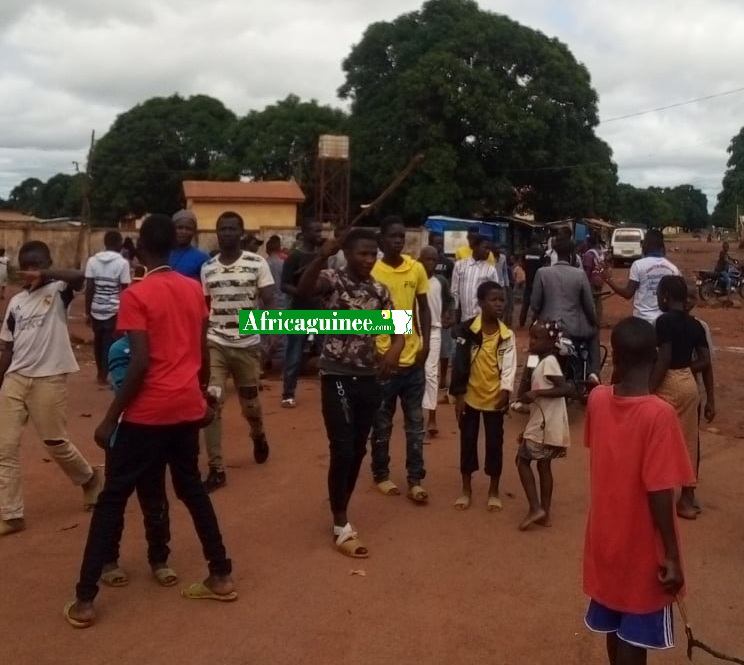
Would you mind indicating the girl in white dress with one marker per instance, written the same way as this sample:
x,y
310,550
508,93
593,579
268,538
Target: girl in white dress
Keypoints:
x,y
546,436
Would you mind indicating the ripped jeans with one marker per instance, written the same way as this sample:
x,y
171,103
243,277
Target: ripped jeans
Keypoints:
x,y
244,366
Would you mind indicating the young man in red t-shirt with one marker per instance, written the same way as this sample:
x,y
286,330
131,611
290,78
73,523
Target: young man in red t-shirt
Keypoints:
x,y
632,569
156,416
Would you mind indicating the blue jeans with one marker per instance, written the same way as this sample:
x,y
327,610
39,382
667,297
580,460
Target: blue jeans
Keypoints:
x,y
408,383
292,363
725,278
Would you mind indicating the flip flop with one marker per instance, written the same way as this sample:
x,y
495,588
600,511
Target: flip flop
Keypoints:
x,y
417,494
494,504
349,544
199,591
165,576
388,488
463,503
115,578
75,623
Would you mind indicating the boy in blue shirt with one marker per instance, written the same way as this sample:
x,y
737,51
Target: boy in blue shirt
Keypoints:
x,y
151,495
185,258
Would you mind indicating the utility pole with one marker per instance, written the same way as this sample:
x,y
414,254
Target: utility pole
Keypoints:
x,y
84,234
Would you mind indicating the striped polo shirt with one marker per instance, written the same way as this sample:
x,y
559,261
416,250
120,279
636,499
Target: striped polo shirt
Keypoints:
x,y
232,288
467,276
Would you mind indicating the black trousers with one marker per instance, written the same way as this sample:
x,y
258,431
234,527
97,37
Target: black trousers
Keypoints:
x,y
526,297
493,422
349,404
153,502
138,458
103,338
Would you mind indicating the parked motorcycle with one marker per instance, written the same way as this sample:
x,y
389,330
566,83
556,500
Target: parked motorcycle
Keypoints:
x,y
710,285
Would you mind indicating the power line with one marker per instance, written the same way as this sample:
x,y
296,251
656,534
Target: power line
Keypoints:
x,y
673,106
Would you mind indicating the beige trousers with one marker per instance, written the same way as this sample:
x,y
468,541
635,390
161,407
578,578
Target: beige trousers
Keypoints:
x,y
44,401
244,366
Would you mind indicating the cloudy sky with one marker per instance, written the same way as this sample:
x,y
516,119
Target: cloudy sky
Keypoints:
x,y
70,66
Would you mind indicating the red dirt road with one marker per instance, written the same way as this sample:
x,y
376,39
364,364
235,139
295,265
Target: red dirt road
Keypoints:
x,y
440,587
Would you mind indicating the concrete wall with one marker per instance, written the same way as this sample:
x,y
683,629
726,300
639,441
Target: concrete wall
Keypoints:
x,y
255,215
63,240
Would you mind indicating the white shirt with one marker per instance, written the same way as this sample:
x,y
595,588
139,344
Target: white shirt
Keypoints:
x,y
467,276
230,289
434,297
36,324
647,273
109,272
548,423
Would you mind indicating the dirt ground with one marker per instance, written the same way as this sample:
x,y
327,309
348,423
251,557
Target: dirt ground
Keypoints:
x,y
440,587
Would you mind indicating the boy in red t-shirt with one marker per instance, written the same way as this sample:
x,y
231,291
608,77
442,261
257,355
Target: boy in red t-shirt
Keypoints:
x,y
157,414
632,569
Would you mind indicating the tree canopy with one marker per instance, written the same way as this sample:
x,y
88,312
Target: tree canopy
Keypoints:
x,y
657,207
281,141
732,189
60,196
497,107
139,165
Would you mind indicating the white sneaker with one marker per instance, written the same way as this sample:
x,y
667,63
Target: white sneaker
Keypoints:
x,y
593,379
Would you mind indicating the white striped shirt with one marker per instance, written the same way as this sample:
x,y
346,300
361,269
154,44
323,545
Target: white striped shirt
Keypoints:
x,y
467,276
230,289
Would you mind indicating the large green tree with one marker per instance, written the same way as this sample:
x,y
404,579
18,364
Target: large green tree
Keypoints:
x,y
60,196
658,207
731,196
24,197
281,141
139,165
505,115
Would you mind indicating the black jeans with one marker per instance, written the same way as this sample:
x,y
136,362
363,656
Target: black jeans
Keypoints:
x,y
409,384
138,457
103,338
153,502
349,404
526,297
469,429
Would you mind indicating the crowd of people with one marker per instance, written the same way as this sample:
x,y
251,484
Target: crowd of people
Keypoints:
x,y
164,316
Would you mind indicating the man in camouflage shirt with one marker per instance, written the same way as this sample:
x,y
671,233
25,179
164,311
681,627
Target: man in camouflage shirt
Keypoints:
x,y
349,368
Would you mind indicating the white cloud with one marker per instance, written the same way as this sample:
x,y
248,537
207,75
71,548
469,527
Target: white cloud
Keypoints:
x,y
70,66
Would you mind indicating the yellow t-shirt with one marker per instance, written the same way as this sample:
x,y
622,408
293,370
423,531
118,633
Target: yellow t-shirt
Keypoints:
x,y
405,282
465,252
484,384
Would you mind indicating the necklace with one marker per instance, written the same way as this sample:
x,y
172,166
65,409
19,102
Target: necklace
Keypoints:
x,y
158,269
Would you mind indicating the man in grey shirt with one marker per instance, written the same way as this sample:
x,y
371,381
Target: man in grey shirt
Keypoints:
x,y
562,293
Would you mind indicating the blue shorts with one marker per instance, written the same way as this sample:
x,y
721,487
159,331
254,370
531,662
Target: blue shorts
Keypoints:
x,y
647,631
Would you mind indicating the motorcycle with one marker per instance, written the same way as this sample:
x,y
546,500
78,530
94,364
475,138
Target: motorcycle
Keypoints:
x,y
710,285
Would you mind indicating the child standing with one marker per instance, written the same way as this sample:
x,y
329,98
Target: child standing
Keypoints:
x,y
547,435
482,380
705,399
151,496
632,569
680,337
33,380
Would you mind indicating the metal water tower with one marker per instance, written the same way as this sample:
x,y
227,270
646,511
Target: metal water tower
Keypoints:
x,y
333,175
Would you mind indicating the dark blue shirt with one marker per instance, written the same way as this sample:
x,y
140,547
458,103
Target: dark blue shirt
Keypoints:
x,y
188,261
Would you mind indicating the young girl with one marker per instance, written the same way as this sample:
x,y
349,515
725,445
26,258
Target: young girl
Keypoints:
x,y
680,337
547,435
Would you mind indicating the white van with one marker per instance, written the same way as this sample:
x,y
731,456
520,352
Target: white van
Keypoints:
x,y
626,245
